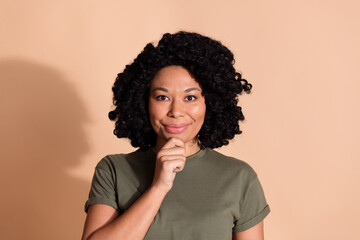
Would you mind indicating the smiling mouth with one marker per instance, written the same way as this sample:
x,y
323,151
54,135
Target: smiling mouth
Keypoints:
x,y
176,128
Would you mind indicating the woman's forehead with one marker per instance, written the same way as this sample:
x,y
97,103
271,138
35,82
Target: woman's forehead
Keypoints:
x,y
174,77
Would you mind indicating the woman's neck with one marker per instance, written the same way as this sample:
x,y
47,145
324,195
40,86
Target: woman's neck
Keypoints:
x,y
191,147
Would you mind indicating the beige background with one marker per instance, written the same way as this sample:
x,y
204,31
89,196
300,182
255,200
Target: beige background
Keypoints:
x,y
58,61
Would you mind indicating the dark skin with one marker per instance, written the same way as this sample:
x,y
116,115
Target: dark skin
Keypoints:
x,y
177,111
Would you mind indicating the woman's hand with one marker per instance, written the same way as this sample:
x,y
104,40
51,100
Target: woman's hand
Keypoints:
x,y
103,222
169,160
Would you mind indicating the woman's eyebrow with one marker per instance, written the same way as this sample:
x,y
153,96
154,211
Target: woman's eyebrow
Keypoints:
x,y
192,89
186,90
160,89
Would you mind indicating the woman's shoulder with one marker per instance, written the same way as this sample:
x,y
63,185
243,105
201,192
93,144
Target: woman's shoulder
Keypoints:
x,y
229,163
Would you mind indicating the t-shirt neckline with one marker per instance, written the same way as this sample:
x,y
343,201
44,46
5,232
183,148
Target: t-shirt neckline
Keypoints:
x,y
194,156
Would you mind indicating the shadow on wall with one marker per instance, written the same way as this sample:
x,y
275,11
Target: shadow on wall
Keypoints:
x,y
42,135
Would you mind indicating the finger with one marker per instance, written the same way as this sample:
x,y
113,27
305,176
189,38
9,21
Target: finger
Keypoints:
x,y
172,157
173,142
175,165
172,151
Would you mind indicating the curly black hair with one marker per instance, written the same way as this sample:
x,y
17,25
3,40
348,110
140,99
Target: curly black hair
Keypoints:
x,y
208,61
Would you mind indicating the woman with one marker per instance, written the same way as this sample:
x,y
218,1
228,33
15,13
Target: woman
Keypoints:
x,y
176,102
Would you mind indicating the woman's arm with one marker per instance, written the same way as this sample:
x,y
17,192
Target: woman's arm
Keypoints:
x,y
103,222
254,233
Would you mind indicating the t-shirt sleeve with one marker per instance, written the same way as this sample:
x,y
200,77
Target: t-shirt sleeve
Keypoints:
x,y
253,207
102,187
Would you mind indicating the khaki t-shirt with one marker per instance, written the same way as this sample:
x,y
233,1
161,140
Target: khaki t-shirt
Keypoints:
x,y
211,198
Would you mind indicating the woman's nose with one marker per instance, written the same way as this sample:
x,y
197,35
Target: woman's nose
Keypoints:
x,y
176,109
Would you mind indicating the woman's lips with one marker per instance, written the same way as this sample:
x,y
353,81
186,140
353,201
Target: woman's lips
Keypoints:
x,y
176,128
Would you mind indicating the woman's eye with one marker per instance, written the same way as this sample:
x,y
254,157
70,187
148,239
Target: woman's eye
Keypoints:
x,y
190,98
161,98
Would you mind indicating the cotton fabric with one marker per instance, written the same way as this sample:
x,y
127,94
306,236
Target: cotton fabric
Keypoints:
x,y
212,197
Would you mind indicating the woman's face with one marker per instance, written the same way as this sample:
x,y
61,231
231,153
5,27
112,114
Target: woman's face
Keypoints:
x,y
176,106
